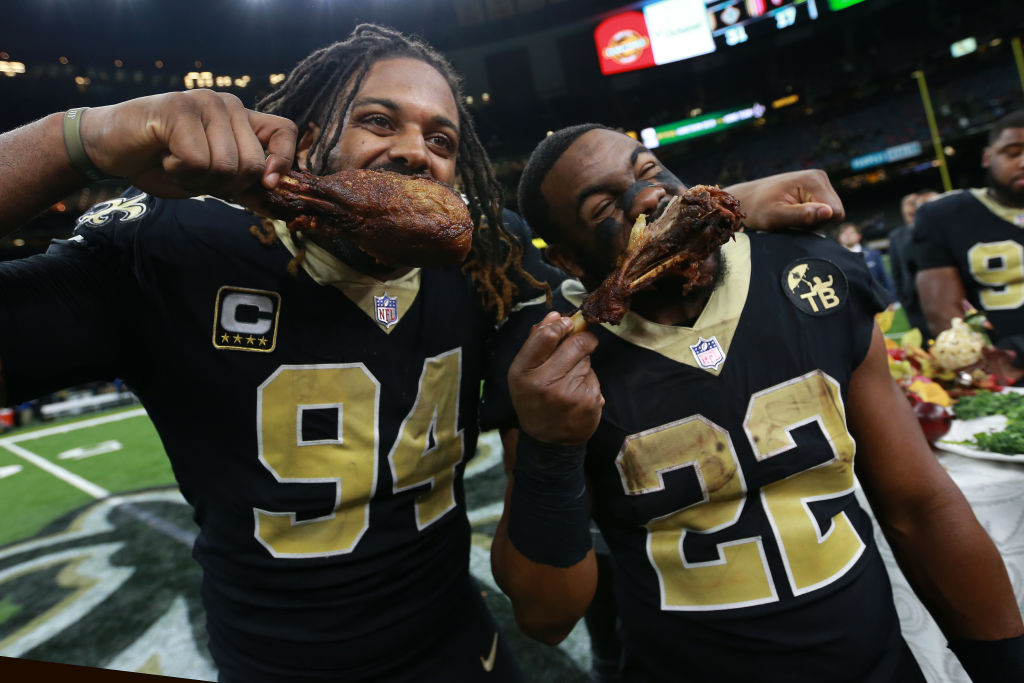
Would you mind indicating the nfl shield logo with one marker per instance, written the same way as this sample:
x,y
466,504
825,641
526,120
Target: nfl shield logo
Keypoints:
x,y
387,309
708,353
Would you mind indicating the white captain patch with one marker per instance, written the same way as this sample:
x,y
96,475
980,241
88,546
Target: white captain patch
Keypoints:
x,y
708,353
246,319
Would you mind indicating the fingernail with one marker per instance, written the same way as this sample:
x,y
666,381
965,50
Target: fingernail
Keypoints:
x,y
271,179
824,213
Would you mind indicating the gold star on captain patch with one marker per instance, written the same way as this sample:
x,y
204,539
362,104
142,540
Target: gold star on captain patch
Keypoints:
x,y
238,339
263,341
225,338
250,339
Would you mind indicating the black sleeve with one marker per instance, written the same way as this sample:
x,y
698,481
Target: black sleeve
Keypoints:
x,y
866,297
931,247
67,316
61,315
1014,342
496,410
533,259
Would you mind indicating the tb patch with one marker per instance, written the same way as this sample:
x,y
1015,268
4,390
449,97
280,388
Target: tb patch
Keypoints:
x,y
815,286
246,319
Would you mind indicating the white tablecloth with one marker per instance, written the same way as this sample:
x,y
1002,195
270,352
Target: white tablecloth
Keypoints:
x,y
995,491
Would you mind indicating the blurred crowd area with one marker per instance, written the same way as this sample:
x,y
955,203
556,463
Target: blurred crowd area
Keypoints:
x,y
70,402
855,81
854,76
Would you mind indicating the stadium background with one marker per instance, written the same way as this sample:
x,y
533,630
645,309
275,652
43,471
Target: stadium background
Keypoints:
x,y
94,560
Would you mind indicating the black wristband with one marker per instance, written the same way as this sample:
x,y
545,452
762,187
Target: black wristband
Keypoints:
x,y
991,661
549,520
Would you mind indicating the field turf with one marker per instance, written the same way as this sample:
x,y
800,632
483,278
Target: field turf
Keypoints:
x,y
95,553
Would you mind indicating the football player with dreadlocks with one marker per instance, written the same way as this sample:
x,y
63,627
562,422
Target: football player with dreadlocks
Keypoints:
x,y
318,422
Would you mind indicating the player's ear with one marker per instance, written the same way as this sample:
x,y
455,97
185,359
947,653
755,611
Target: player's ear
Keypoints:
x,y
309,136
563,259
986,157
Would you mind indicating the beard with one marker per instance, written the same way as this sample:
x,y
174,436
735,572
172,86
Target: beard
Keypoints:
x,y
1005,194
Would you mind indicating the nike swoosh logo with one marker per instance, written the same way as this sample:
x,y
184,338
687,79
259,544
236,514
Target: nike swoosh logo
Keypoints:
x,y
488,663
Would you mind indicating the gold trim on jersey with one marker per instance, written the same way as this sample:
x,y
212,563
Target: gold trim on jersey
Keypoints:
x,y
1011,214
719,318
328,270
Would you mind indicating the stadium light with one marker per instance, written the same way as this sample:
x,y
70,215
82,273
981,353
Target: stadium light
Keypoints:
x,y
963,47
11,69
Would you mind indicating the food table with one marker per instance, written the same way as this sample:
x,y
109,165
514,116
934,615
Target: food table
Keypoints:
x,y
995,491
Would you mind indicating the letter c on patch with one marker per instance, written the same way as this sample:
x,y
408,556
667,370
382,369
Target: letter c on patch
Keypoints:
x,y
260,323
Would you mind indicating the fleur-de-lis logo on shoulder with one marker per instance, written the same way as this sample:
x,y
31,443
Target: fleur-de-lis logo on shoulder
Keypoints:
x,y
129,208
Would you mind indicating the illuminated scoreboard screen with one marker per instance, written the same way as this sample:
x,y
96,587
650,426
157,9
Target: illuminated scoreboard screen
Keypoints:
x,y
671,30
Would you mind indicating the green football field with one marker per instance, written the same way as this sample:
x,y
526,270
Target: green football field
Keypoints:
x,y
95,553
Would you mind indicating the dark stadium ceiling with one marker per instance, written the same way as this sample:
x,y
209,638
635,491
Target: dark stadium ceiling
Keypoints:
x,y
259,33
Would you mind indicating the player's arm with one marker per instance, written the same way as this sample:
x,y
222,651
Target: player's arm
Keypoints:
x,y
798,199
943,551
541,555
170,145
941,292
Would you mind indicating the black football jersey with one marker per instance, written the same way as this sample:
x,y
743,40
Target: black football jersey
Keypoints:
x,y
318,423
721,476
984,241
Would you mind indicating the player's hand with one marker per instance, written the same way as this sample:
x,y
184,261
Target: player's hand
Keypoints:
x,y
182,144
798,199
554,390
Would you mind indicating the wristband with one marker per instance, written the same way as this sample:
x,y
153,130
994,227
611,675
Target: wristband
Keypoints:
x,y
549,520
991,661
80,161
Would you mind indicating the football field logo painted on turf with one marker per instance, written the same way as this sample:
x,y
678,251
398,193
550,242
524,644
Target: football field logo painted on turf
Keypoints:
x,y
121,567
246,319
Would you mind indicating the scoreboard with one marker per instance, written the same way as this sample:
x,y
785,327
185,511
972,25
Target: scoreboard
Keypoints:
x,y
671,30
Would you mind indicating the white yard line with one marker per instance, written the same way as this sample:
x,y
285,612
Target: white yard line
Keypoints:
x,y
10,443
72,426
59,472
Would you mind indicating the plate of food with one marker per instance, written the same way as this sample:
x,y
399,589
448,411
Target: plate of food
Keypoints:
x,y
988,426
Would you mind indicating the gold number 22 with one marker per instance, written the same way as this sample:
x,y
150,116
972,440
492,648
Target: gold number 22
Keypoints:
x,y
740,575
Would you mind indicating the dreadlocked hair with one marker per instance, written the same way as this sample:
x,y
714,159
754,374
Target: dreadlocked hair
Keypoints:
x,y
321,89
